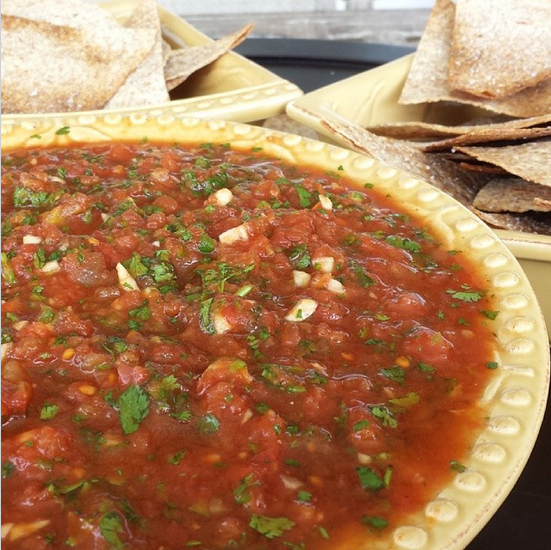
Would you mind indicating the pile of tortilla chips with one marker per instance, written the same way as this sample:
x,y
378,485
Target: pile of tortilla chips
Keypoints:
x,y
70,55
494,55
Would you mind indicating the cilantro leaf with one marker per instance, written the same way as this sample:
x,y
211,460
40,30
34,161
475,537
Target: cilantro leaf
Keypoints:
x,y
465,296
133,408
270,527
404,243
110,526
48,412
369,479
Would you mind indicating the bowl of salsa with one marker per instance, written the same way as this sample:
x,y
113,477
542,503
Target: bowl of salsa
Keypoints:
x,y
217,335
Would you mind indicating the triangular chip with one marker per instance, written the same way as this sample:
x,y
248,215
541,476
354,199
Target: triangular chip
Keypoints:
x,y
67,13
425,130
529,222
500,47
53,68
184,62
489,134
427,80
513,195
530,161
439,172
146,84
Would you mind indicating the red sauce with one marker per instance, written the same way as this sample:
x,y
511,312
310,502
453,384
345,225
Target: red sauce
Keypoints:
x,y
172,382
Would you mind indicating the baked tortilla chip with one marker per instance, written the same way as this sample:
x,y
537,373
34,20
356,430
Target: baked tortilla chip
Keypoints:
x,y
513,195
530,161
528,222
53,68
416,129
67,13
441,173
427,80
499,47
487,135
146,84
184,62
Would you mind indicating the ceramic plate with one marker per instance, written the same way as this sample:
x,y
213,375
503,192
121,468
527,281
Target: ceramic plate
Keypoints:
x,y
371,98
231,88
516,397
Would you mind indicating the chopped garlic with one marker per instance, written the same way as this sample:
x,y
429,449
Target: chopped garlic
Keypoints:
x,y
221,325
126,281
302,310
20,324
6,347
31,239
324,263
335,286
222,196
50,267
326,203
20,530
301,278
234,234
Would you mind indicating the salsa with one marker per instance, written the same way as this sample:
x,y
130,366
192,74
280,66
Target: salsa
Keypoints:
x,y
207,347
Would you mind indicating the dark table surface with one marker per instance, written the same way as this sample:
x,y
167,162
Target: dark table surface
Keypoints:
x,y
524,519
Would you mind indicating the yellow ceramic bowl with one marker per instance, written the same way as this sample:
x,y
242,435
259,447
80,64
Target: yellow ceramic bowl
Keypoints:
x,y
371,98
516,397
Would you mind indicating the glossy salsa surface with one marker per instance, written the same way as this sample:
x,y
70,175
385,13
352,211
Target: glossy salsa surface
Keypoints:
x,y
210,348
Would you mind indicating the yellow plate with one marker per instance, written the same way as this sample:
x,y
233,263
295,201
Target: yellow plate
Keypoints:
x,y
371,98
516,397
230,88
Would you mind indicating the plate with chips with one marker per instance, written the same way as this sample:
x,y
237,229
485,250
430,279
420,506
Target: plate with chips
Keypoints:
x,y
490,152
69,56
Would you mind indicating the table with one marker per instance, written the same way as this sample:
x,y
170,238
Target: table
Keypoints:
x,y
524,519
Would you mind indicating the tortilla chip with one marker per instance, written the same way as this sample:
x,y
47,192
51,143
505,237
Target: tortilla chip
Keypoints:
x,y
67,13
427,80
513,195
146,84
441,173
425,130
84,68
184,62
529,222
499,47
530,161
489,134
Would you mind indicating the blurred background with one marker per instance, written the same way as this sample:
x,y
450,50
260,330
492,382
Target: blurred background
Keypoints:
x,y
398,22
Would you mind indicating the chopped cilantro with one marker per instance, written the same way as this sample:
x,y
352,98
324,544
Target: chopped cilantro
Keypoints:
x,y
208,424
384,415
300,256
360,425
133,407
8,469
110,527
489,314
369,479
304,496
395,373
271,527
63,131
364,279
48,412
304,196
465,296
205,322
374,521
457,466
492,365
7,272
404,243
